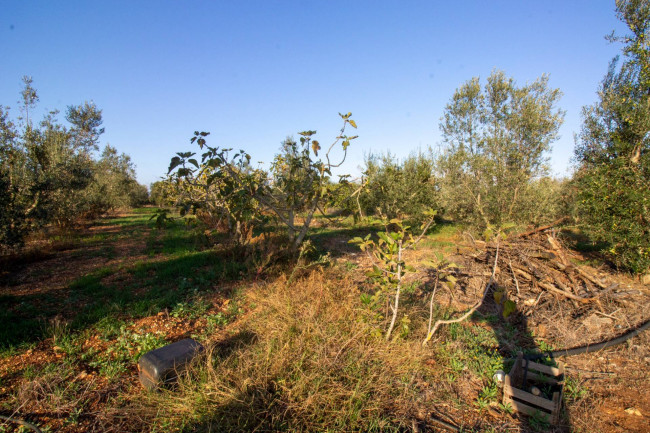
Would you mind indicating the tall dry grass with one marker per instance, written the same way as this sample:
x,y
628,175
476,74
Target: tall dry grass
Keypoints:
x,y
308,359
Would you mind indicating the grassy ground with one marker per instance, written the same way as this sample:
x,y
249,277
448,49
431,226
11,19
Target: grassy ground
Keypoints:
x,y
294,349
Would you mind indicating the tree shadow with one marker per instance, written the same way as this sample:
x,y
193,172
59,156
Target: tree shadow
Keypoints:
x,y
142,289
515,337
334,240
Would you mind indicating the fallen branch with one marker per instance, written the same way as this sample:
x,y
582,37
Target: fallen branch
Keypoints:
x,y
513,275
542,228
524,274
558,250
590,278
564,293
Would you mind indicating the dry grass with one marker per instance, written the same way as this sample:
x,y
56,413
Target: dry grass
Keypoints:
x,y
310,359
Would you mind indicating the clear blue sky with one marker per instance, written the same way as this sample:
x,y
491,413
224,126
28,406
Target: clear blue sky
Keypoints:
x,y
253,72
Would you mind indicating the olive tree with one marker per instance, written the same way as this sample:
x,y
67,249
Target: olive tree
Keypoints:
x,y
49,173
398,189
497,139
613,149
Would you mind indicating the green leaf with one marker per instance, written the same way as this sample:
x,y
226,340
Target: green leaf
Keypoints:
x,y
175,162
315,146
508,308
193,162
487,234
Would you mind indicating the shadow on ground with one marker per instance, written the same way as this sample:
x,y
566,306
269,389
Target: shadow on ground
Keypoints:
x,y
135,290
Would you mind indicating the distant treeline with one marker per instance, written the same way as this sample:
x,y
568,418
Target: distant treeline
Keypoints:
x,y
54,174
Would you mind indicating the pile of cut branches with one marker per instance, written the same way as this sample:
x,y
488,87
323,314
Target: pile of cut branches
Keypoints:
x,y
571,302
540,262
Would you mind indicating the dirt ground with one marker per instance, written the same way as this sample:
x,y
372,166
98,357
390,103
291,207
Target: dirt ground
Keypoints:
x,y
616,380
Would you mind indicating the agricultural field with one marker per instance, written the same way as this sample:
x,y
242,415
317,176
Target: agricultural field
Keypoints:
x,y
229,255
300,345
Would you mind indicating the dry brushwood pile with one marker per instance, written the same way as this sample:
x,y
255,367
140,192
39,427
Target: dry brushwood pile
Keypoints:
x,y
568,303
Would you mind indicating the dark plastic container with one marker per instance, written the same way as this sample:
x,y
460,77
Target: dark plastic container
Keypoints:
x,y
161,366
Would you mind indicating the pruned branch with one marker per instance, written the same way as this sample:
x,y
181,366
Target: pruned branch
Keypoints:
x,y
471,311
542,228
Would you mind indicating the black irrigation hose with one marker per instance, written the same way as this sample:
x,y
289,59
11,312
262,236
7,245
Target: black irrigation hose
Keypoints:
x,y
604,344
21,422
592,347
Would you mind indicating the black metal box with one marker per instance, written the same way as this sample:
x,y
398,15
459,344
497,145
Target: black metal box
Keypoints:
x,y
161,366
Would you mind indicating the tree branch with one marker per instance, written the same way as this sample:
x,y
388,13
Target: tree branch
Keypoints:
x,y
471,310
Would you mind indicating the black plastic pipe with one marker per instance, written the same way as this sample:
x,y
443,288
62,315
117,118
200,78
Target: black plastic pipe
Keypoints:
x,y
591,347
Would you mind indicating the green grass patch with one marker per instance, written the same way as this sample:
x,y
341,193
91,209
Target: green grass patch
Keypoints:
x,y
187,268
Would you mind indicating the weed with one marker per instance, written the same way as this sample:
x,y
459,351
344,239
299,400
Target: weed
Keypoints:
x,y
131,345
109,327
507,408
218,320
473,348
410,288
191,310
487,395
574,389
544,346
112,369
233,310
539,421
73,417
311,365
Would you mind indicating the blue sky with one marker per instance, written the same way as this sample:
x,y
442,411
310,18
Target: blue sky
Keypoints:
x,y
254,72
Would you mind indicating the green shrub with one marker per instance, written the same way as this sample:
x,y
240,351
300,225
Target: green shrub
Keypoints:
x,y
397,189
613,150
